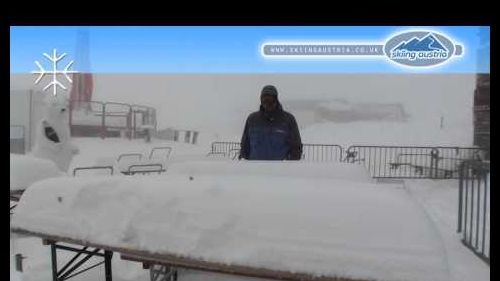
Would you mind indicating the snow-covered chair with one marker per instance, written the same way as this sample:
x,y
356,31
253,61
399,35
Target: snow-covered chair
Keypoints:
x,y
136,163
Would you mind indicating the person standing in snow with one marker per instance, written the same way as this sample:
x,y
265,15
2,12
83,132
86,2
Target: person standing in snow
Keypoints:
x,y
270,133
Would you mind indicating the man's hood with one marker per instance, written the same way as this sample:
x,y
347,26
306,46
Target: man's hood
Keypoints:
x,y
278,106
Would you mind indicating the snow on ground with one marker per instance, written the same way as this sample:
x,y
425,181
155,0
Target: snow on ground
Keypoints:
x,y
25,170
310,170
437,201
440,200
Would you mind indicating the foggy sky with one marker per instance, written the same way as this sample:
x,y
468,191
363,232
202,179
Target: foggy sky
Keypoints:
x,y
221,102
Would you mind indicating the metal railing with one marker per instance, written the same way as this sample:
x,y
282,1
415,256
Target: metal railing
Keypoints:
x,y
474,207
223,147
111,118
439,162
411,161
310,152
322,152
143,117
234,153
87,118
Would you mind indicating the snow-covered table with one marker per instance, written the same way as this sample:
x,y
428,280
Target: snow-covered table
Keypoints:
x,y
288,220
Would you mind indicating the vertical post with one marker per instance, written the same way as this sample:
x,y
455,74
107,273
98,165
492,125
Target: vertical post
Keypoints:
x,y
323,153
359,158
19,262
370,161
134,126
434,162
24,139
385,161
485,202
70,107
103,122
195,137
479,176
30,123
54,261
129,121
107,265
460,194
379,149
471,206
466,202
155,124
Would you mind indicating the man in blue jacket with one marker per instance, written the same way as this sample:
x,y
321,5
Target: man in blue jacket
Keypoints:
x,y
271,133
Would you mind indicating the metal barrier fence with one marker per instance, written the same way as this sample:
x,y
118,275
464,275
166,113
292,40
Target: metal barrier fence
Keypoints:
x,y
419,162
322,152
310,152
382,161
411,161
224,147
474,207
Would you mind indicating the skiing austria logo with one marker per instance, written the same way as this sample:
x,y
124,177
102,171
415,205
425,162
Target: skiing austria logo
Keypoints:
x,y
420,48
411,48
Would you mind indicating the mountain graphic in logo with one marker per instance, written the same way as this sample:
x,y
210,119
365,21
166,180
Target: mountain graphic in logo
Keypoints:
x,y
428,43
423,48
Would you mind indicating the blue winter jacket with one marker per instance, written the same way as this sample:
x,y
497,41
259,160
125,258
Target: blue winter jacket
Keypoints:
x,y
271,136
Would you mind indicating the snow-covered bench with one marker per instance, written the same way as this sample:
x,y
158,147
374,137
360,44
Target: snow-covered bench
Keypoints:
x,y
277,219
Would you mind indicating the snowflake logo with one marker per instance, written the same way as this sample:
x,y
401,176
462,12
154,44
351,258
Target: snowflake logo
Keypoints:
x,y
55,83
